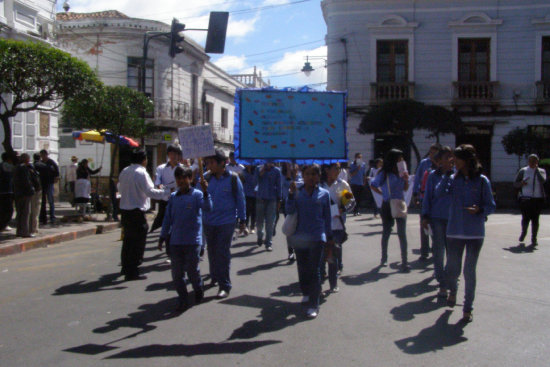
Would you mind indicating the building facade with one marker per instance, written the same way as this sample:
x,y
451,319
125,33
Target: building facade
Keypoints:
x,y
186,90
27,20
488,60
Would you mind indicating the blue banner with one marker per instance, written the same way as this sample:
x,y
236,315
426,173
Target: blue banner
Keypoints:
x,y
282,125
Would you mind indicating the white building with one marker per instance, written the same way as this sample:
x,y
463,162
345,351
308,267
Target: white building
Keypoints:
x,y
187,90
31,20
488,60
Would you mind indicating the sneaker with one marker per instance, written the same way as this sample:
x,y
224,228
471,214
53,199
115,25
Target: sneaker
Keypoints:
x,y
168,261
334,289
269,248
467,317
291,257
305,299
223,294
451,300
423,258
312,313
260,242
252,231
383,263
405,268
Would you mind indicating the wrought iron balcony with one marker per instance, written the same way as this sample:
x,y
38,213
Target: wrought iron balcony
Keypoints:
x,y
222,134
387,91
475,93
543,92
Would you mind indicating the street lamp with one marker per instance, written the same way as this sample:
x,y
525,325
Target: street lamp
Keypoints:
x,y
307,69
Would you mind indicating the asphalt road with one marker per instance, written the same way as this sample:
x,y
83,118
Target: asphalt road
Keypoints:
x,y
67,306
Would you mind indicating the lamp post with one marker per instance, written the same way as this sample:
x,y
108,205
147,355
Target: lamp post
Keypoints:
x,y
307,69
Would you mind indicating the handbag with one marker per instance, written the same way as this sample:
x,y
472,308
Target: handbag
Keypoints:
x,y
398,206
290,224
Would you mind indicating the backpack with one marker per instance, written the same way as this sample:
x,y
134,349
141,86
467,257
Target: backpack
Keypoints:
x,y
234,178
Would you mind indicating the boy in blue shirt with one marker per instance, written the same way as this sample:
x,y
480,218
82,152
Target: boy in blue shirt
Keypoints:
x,y
182,231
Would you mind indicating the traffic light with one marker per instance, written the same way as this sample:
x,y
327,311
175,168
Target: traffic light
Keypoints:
x,y
217,29
175,38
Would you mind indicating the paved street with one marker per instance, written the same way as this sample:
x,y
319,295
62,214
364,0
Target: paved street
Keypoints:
x,y
67,306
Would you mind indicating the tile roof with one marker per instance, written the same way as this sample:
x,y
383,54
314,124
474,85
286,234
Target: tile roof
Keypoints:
x,y
112,14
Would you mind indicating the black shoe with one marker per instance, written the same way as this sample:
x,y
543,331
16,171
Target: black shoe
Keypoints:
x,y
182,306
522,236
423,258
451,300
134,277
534,243
260,243
199,295
383,263
291,257
405,268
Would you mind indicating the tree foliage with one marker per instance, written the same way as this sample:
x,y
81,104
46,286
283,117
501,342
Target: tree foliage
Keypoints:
x,y
522,142
406,116
118,109
33,73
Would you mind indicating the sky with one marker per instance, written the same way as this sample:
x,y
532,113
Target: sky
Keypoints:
x,y
273,35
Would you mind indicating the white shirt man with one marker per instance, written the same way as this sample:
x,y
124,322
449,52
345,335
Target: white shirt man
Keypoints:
x,y
136,187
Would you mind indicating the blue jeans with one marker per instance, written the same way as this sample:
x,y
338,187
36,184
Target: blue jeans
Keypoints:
x,y
47,194
266,210
308,260
218,239
387,225
185,259
455,249
439,246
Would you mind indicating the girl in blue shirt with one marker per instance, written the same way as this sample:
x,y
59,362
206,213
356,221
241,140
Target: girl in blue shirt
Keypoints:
x,y
471,202
313,231
390,185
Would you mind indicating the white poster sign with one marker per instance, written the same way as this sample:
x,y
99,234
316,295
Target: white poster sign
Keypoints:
x,y
196,141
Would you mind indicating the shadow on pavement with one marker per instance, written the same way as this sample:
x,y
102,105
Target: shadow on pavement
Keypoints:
x,y
269,266
274,315
414,290
244,244
371,276
183,350
370,234
434,338
248,252
520,249
107,282
406,311
288,290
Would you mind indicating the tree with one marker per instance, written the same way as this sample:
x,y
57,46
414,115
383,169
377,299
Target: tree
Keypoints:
x,y
118,109
34,73
522,142
406,116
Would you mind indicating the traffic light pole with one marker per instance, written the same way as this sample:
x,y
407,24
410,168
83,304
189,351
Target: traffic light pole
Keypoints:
x,y
147,36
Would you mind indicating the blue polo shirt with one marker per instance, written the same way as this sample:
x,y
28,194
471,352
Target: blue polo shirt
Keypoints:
x,y
359,178
249,184
425,165
435,204
269,184
183,217
226,206
396,184
314,219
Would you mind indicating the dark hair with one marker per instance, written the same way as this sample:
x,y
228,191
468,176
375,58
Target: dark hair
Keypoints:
x,y
441,153
181,172
435,146
358,154
173,149
377,160
23,157
219,157
315,167
231,154
390,161
36,156
467,153
5,156
138,156
44,151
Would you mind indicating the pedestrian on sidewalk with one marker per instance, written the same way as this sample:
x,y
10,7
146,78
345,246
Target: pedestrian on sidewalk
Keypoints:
x,y
249,186
37,197
70,177
135,188
182,231
391,185
7,168
426,165
313,232
357,173
435,215
268,202
228,205
471,202
530,181
49,175
23,192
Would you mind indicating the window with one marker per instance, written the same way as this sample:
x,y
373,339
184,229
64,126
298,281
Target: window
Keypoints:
x,y
542,130
208,112
224,117
44,124
134,75
545,76
391,61
25,18
474,60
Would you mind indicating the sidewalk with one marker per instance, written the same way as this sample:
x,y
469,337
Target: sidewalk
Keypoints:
x,y
51,234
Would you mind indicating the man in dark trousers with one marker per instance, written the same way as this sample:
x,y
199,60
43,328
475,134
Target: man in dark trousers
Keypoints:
x,y
49,175
7,168
135,187
23,192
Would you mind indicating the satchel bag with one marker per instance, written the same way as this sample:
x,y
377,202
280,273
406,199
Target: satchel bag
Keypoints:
x,y
398,206
290,224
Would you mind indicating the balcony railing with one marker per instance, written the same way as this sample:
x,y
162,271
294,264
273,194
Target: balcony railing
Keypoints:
x,y
166,109
475,93
385,92
223,134
543,92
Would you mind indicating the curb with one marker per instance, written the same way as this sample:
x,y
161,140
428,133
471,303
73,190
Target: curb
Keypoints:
x,y
26,245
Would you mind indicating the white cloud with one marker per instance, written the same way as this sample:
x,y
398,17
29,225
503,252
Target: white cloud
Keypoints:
x,y
240,28
232,63
275,2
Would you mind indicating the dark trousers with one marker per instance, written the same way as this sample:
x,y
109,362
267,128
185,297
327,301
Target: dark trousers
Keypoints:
x,y
47,195
387,225
218,239
185,259
336,264
424,242
530,212
23,207
135,228
308,260
157,223
251,212
357,191
6,203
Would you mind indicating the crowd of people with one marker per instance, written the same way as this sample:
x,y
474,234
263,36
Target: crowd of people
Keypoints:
x,y
204,204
